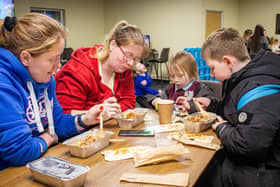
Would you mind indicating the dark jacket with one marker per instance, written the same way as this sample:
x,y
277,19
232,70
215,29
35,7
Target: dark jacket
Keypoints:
x,y
251,138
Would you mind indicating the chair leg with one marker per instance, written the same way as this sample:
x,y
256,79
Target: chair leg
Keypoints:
x,y
160,75
167,71
156,69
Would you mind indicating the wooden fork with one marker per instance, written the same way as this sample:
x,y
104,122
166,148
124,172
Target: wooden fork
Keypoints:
x,y
202,111
101,131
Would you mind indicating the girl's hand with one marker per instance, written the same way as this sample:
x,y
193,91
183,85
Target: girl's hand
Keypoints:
x,y
182,103
203,101
156,100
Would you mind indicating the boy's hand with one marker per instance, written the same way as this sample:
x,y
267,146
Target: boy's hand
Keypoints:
x,y
203,101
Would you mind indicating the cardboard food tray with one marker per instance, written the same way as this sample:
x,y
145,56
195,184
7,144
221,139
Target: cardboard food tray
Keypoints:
x,y
86,151
125,123
199,126
57,172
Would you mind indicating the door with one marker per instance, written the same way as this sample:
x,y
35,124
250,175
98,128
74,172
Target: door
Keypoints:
x,y
214,21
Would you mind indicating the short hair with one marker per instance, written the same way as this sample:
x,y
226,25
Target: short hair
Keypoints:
x,y
124,34
224,41
34,32
183,63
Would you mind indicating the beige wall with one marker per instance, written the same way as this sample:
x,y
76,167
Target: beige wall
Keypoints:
x,y
171,23
254,12
84,18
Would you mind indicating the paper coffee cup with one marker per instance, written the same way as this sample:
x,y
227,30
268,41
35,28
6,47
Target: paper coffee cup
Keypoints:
x,y
165,111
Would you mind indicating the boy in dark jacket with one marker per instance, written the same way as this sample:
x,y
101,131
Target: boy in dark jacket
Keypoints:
x,y
248,126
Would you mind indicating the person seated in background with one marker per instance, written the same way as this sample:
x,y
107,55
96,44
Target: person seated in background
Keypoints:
x,y
249,121
246,35
32,119
144,93
274,45
258,41
102,74
185,86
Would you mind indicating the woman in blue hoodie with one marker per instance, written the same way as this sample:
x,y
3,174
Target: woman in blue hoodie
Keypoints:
x,y
31,117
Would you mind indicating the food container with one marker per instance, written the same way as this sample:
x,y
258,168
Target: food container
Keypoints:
x,y
57,172
130,118
92,147
198,122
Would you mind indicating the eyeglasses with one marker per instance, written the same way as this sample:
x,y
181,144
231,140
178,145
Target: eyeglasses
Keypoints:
x,y
130,57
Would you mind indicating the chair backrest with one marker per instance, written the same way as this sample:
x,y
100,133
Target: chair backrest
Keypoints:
x,y
216,86
66,55
164,55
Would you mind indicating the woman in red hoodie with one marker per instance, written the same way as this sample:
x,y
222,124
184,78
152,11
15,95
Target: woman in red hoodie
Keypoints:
x,y
102,74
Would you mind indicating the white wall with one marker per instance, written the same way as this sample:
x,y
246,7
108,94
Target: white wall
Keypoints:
x,y
84,18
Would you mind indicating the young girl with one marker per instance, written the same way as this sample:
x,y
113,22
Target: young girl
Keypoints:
x,y
185,86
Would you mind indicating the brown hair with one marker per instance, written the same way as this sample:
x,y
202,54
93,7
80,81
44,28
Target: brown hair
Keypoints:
x,y
224,41
124,34
33,32
183,63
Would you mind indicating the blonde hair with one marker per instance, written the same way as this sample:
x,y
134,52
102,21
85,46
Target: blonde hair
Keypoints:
x,y
183,63
224,41
34,32
273,40
124,34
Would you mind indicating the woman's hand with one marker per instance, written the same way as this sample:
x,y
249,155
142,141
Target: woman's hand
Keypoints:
x,y
50,139
203,101
111,108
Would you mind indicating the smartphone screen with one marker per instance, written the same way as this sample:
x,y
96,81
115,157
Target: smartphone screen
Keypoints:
x,y
136,133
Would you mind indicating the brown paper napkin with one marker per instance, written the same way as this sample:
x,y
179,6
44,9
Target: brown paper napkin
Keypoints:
x,y
175,179
160,154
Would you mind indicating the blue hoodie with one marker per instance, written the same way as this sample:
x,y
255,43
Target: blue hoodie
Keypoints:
x,y
19,135
141,90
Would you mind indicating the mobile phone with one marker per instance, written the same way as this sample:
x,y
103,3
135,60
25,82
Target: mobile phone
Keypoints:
x,y
136,133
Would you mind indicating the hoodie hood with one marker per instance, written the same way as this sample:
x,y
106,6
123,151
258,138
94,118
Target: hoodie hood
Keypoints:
x,y
83,54
10,62
264,64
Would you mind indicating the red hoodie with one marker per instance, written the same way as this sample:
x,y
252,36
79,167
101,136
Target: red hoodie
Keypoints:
x,y
79,86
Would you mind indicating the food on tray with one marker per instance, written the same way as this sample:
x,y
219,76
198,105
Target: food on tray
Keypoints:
x,y
124,152
200,140
86,141
199,118
130,118
198,121
200,137
130,115
167,127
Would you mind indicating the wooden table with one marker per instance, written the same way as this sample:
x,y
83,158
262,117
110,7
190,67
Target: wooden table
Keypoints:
x,y
107,174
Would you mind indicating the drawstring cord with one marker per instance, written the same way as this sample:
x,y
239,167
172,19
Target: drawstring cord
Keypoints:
x,y
36,109
49,112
